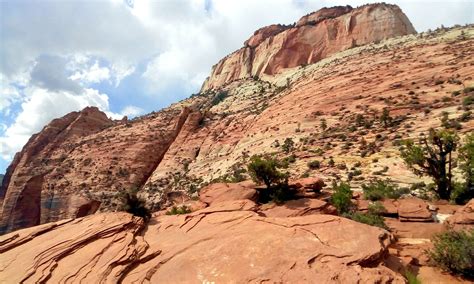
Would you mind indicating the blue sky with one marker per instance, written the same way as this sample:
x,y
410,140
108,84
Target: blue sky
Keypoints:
x,y
135,56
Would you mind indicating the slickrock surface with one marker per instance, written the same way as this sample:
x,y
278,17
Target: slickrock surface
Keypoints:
x,y
212,245
314,37
78,164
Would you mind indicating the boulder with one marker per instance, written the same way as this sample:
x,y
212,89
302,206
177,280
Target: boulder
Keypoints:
x,y
414,210
298,207
463,217
391,207
313,184
217,192
218,247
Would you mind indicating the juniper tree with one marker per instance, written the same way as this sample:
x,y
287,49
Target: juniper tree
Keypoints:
x,y
432,156
266,170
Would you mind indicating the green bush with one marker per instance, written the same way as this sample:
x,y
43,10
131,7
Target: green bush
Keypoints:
x,y
380,189
341,197
412,278
369,219
467,101
218,98
454,251
178,210
314,164
288,145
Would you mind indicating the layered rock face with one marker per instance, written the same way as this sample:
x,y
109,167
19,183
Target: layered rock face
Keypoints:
x,y
217,244
81,160
314,37
78,164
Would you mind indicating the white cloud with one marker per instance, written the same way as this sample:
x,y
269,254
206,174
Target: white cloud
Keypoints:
x,y
8,96
120,70
39,109
94,74
132,111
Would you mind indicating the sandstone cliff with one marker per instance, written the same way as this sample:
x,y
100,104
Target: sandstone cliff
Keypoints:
x,y
79,163
314,37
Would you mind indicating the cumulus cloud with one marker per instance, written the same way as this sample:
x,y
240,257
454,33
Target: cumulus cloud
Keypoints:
x,y
131,111
94,74
39,109
49,72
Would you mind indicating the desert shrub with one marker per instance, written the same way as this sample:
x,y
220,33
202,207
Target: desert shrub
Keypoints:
x,y
466,116
372,217
412,278
134,205
341,197
178,210
290,159
314,164
369,219
218,98
468,89
376,208
454,251
380,189
467,101
288,145
461,193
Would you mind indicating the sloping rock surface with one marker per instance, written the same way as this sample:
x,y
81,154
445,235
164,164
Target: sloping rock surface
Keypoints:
x,y
212,245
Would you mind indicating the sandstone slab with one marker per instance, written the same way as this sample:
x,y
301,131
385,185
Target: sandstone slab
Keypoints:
x,y
314,184
298,207
205,246
414,210
217,192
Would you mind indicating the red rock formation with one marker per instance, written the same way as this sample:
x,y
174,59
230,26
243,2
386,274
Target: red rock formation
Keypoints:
x,y
71,166
80,160
216,244
315,36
